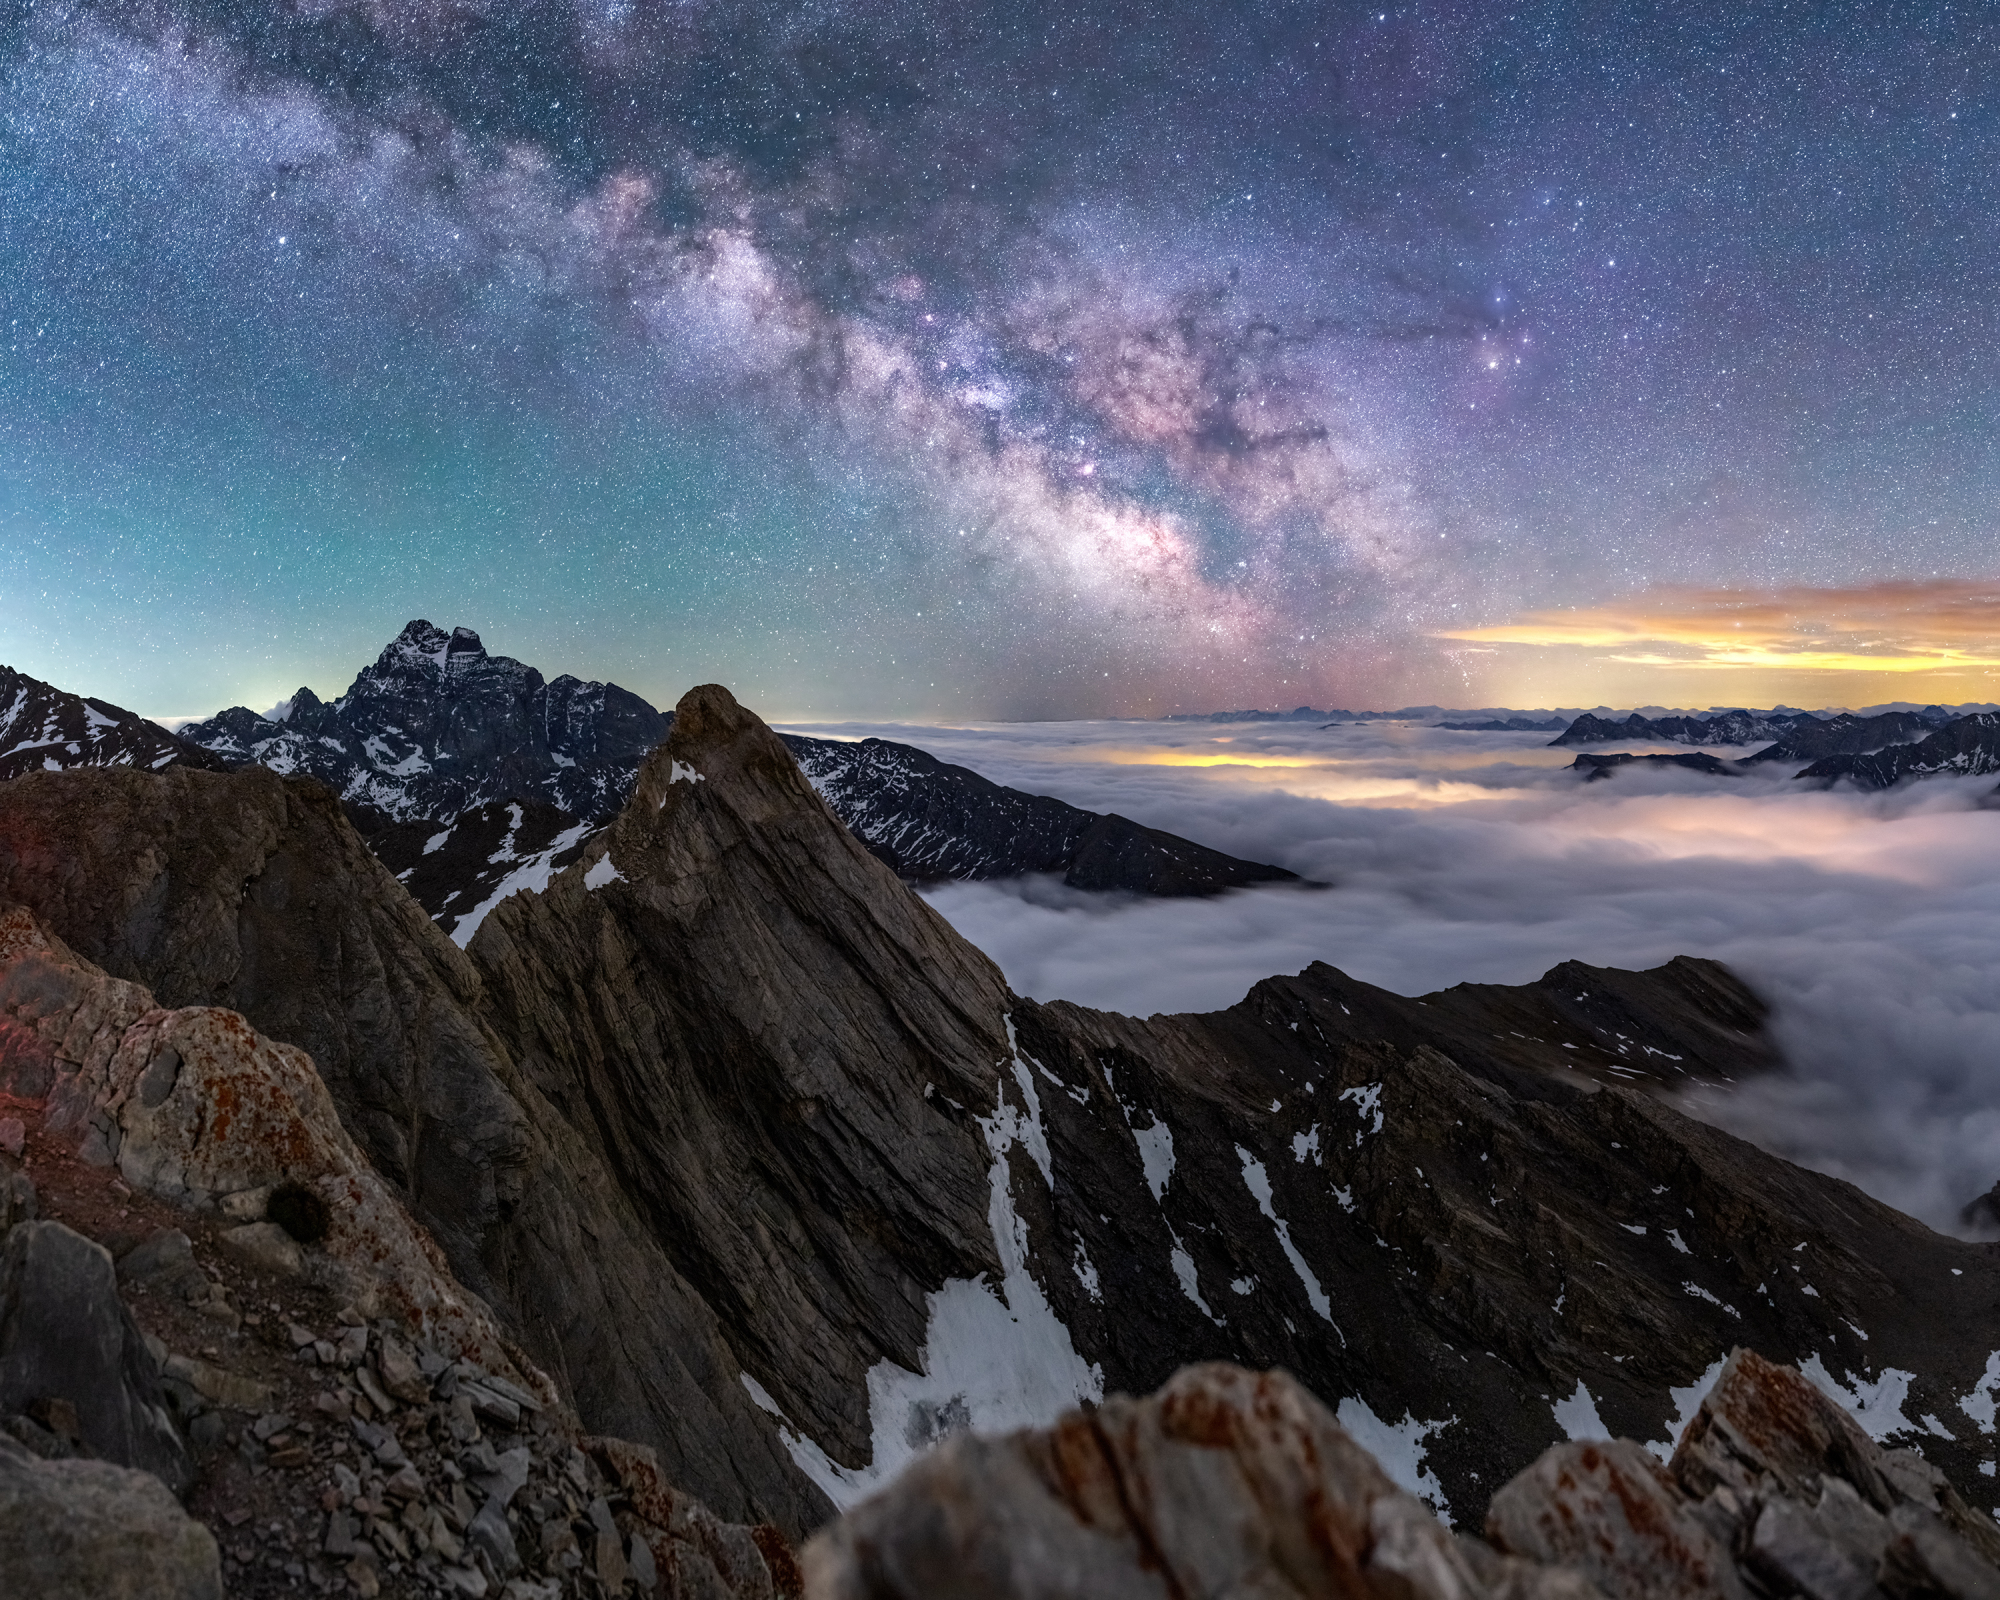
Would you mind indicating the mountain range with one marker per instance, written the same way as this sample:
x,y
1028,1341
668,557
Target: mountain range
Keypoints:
x,y
473,777
758,1165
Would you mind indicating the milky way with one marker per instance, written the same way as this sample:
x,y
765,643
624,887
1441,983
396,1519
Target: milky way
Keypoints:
x,y
1005,360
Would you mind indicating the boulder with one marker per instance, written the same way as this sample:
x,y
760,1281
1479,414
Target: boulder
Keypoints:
x,y
66,1336
89,1530
1226,1482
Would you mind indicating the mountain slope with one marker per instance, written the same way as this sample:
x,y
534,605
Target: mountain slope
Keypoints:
x,y
254,892
930,820
1966,747
1846,734
46,728
437,726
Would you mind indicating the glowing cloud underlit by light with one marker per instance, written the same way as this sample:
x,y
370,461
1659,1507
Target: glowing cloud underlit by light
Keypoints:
x,y
1911,632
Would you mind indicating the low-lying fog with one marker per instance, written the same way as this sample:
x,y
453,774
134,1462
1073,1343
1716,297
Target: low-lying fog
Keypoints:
x,y
1871,922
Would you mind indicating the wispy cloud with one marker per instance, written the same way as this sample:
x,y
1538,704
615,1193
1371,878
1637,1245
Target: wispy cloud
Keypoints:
x,y
1941,626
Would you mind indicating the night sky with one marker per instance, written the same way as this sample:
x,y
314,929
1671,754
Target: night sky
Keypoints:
x,y
1003,361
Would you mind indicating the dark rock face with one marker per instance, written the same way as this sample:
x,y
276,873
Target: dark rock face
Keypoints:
x,y
1595,767
1846,734
43,728
930,820
459,870
1730,727
67,1339
737,1119
437,726
1962,748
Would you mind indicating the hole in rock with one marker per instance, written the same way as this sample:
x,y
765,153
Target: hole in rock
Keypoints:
x,y
300,1212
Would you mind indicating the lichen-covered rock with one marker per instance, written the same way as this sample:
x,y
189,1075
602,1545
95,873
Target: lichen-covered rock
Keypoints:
x,y
1609,1507
195,1106
89,1530
1773,1489
1225,1483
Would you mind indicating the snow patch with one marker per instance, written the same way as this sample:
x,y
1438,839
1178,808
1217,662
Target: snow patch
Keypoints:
x,y
1399,1448
680,772
532,875
1156,1154
1686,1403
1877,1404
603,871
1368,1103
436,840
1577,1416
1306,1144
1980,1404
1259,1183
992,1362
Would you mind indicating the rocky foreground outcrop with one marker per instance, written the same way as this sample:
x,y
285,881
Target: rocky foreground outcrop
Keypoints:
x,y
764,1165
405,1445
1233,1483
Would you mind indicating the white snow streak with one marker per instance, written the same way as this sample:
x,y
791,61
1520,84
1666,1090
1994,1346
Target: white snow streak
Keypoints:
x,y
991,1362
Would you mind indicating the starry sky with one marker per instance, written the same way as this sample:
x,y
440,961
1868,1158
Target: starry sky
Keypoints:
x,y
1004,360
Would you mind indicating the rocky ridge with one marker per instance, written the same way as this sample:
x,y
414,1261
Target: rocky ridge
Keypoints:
x,y
1847,734
1965,747
1728,727
755,1155
46,728
1595,767
929,820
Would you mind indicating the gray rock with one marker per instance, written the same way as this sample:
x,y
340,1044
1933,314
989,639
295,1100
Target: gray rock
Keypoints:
x,y
89,1530
164,1262
17,1196
65,1335
13,1135
267,1247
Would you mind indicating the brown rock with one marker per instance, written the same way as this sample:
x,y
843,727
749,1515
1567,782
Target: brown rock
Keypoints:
x,y
1225,1482
1610,1510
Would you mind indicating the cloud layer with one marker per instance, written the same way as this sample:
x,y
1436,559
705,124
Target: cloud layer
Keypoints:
x,y
1870,922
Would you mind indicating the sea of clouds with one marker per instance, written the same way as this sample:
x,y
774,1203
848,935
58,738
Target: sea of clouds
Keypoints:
x,y
1871,922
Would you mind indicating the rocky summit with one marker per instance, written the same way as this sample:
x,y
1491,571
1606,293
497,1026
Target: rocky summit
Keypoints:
x,y
753,1162
436,726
